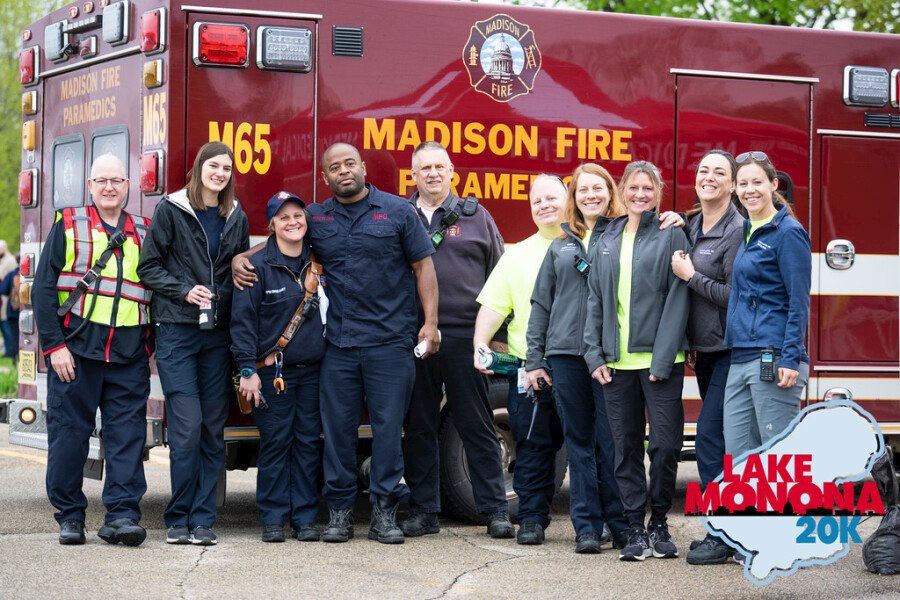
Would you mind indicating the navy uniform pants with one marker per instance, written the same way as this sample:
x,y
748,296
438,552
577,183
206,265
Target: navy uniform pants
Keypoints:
x,y
594,493
534,474
712,375
287,480
120,391
382,377
194,367
467,398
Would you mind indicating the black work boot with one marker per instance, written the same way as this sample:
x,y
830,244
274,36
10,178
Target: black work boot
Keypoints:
x,y
273,534
340,526
531,533
71,533
587,543
126,531
710,551
384,521
420,523
499,526
606,537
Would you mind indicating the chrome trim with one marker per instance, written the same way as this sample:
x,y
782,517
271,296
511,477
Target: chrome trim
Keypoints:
x,y
126,23
195,45
260,32
250,12
840,254
65,41
845,94
839,392
858,368
91,61
895,100
735,75
163,30
851,133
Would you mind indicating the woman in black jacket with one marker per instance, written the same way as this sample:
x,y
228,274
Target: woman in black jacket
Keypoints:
x,y
635,337
286,411
715,232
186,261
556,335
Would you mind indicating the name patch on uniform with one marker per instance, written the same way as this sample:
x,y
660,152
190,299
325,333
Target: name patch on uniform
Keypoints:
x,y
454,231
379,216
322,218
278,291
762,244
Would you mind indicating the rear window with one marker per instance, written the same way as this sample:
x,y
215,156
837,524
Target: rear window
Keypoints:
x,y
68,171
111,140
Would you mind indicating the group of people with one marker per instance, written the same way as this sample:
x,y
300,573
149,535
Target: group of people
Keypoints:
x,y
597,312
9,297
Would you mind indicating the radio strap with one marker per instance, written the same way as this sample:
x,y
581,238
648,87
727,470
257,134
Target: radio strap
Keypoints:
x,y
92,277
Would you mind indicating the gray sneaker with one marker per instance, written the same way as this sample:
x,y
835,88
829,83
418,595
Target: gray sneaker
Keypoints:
x,y
178,534
638,546
661,542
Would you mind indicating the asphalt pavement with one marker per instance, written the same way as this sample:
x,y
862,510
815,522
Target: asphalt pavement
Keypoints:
x,y
460,561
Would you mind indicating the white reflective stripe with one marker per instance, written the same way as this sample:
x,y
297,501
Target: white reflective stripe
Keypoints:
x,y
135,292
83,242
131,291
870,275
862,388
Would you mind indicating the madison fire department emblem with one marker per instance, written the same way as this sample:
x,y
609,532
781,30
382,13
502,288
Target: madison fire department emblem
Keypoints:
x,y
502,58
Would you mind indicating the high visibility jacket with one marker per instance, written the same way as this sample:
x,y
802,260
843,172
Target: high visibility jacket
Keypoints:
x,y
121,299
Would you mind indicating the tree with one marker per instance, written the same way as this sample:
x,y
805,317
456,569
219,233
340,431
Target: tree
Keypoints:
x,y
862,15
14,17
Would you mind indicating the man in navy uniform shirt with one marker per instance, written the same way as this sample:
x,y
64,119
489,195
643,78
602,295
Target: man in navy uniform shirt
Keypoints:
x,y
377,257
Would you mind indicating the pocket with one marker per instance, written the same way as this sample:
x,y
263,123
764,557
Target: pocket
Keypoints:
x,y
374,237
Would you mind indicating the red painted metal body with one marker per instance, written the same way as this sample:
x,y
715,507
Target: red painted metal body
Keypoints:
x,y
608,87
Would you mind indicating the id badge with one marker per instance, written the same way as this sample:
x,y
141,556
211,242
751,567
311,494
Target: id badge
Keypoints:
x,y
520,380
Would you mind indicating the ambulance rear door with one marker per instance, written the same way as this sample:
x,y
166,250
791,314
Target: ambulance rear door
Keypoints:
x,y
251,83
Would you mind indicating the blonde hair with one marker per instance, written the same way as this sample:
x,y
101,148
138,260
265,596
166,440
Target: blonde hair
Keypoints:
x,y
574,217
651,171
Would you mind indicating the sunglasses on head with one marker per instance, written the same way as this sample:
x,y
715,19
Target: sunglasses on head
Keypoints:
x,y
753,155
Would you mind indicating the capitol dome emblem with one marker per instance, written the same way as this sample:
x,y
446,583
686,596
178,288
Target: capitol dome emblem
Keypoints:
x,y
502,58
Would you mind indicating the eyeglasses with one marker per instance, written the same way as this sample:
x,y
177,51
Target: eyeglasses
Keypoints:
x,y
753,155
116,182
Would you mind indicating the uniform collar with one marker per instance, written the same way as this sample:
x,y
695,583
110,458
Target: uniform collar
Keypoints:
x,y
274,256
373,198
718,229
445,205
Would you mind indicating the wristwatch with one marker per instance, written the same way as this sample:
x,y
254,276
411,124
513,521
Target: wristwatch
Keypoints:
x,y
247,372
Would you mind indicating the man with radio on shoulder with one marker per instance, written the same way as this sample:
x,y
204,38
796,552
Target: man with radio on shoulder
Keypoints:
x,y
467,246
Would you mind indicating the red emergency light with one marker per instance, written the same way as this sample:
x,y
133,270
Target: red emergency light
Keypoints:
x,y
151,171
25,265
153,32
28,187
27,64
221,44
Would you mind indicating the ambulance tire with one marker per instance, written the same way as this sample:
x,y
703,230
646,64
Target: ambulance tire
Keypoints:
x,y
457,499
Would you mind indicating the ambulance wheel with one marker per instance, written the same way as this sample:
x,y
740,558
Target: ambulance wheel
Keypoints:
x,y
456,487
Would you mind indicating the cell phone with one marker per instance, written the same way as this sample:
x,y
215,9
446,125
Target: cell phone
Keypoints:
x,y
767,365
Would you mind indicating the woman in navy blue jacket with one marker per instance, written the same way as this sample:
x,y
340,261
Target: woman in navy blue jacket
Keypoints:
x,y
768,312
284,392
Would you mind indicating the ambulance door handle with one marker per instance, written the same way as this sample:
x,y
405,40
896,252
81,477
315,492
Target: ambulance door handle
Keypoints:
x,y
837,394
840,254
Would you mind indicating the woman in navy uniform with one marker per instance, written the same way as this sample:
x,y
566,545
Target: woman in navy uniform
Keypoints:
x,y
285,391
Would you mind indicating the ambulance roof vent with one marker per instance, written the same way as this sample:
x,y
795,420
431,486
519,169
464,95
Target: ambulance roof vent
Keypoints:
x,y
346,41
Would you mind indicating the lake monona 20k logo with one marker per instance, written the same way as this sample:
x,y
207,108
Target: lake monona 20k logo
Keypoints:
x,y
502,58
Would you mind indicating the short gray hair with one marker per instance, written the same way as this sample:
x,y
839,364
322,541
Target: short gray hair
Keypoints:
x,y
424,146
103,158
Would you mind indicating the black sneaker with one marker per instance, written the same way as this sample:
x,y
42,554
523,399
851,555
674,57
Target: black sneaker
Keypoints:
x,y
306,533
500,527
71,533
178,534
661,542
203,536
340,526
530,533
739,557
638,545
273,534
587,543
710,551
384,522
420,523
620,539
126,531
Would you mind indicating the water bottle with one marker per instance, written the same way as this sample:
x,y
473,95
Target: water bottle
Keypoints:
x,y
499,362
207,318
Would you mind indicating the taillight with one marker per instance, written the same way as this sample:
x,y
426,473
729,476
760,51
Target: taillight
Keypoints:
x,y
221,44
29,102
28,182
153,73
25,264
151,172
153,31
26,322
28,61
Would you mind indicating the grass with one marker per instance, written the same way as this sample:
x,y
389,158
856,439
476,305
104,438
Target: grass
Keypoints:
x,y
9,378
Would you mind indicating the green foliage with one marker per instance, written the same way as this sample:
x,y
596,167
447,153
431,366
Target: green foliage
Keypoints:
x,y
862,15
9,378
14,17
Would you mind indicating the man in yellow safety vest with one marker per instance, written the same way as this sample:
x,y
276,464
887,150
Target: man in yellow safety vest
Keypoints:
x,y
93,318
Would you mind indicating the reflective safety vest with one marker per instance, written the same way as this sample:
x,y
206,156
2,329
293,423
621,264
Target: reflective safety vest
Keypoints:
x,y
121,299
